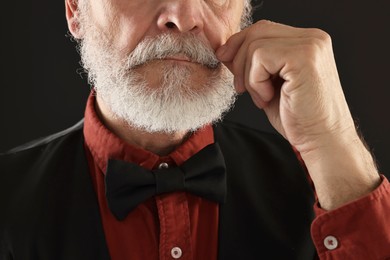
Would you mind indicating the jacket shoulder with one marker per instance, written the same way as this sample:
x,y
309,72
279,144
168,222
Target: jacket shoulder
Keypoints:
x,y
45,141
24,156
47,201
24,166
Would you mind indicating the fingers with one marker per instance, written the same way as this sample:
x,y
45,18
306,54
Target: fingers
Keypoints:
x,y
261,30
228,51
256,66
260,52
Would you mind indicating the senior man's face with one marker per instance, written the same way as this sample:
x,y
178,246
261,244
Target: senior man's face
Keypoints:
x,y
152,62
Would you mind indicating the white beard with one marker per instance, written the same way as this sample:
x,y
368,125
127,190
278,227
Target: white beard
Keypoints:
x,y
177,104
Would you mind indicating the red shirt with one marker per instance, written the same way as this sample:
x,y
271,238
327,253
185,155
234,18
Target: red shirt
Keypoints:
x,y
179,225
168,225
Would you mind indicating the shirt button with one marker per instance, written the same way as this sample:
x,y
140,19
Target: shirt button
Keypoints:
x,y
176,252
163,165
331,242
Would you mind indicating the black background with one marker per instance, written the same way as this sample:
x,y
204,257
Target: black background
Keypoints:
x,y
43,91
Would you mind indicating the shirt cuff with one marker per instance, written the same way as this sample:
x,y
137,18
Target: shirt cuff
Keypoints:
x,y
359,230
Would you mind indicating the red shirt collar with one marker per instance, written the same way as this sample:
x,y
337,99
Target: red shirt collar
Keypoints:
x,y
104,145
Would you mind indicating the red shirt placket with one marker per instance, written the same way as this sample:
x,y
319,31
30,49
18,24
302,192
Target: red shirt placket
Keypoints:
x,y
175,237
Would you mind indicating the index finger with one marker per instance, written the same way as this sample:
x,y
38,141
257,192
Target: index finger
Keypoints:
x,y
263,29
226,52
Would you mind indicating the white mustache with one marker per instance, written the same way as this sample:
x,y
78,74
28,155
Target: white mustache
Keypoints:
x,y
169,45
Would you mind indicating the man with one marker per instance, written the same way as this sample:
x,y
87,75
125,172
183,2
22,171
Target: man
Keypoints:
x,y
162,73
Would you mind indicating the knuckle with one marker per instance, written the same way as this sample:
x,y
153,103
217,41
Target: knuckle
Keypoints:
x,y
251,84
262,24
252,47
315,45
321,35
324,36
256,47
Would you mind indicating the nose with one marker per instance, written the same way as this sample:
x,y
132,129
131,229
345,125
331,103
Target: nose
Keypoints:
x,y
181,16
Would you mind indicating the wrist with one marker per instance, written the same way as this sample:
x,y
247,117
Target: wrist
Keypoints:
x,y
342,170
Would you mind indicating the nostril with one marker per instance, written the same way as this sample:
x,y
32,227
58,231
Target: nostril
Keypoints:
x,y
170,25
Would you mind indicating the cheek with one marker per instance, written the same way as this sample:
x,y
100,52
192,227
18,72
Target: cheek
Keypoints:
x,y
233,15
127,23
127,36
219,26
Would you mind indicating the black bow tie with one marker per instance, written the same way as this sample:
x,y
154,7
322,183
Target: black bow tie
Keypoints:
x,y
128,185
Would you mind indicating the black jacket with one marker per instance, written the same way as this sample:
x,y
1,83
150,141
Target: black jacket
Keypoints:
x,y
49,209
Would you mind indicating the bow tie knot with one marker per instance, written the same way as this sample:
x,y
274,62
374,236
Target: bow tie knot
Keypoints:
x,y
128,185
169,180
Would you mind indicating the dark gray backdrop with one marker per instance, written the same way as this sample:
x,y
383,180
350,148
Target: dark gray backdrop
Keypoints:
x,y
41,90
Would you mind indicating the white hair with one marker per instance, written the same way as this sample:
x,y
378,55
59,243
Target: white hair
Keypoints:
x,y
246,18
178,104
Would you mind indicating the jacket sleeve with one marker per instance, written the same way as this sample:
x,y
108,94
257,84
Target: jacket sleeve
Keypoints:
x,y
359,230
